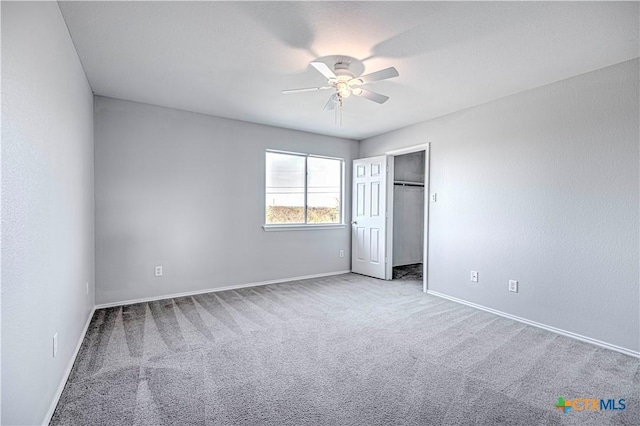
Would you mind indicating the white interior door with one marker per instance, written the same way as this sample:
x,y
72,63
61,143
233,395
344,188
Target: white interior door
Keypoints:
x,y
368,224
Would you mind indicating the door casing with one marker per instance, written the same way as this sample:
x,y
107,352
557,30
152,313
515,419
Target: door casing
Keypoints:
x,y
427,197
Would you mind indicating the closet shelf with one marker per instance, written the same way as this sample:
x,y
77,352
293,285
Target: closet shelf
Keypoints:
x,y
408,183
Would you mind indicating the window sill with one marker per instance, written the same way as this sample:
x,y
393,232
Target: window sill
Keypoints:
x,y
271,228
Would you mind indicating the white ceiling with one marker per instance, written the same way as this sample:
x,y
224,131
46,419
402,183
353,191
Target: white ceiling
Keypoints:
x,y
232,59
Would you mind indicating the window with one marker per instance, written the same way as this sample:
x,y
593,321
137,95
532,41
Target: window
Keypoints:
x,y
303,189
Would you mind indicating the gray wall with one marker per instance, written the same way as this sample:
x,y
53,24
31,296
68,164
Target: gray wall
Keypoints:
x,y
47,206
186,191
540,187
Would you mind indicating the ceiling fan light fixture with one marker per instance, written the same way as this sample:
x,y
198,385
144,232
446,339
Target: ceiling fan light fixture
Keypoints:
x,y
343,89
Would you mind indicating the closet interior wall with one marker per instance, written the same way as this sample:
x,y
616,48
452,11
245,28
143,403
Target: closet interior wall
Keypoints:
x,y
408,208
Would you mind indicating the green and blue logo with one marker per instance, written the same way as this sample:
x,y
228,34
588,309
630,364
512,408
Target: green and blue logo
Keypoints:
x,y
590,404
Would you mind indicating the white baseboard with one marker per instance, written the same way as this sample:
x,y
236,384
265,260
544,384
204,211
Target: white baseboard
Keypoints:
x,y
539,325
65,377
215,289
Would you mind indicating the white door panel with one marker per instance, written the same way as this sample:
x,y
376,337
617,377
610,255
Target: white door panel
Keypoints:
x,y
369,216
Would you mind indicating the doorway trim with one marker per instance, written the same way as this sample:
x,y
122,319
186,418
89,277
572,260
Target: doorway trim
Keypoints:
x,y
427,196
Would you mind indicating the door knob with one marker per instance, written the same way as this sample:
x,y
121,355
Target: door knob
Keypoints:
x,y
353,222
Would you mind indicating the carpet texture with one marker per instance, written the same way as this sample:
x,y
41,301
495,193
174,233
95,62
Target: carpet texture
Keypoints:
x,y
342,350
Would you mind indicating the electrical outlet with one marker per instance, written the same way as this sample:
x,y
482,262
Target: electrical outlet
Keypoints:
x,y
474,276
513,286
341,253
55,345
158,271
434,197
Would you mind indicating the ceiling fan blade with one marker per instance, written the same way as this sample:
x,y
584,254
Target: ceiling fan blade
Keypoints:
x,y
375,76
331,103
323,69
308,89
372,96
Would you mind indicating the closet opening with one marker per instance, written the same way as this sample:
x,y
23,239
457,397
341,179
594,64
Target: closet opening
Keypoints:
x,y
408,192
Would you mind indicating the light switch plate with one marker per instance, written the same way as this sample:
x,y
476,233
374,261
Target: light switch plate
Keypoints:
x,y
55,345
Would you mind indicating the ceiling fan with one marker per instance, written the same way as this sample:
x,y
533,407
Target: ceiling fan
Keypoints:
x,y
345,83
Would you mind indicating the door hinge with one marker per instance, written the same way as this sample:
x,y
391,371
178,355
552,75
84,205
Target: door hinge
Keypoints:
x,y
385,260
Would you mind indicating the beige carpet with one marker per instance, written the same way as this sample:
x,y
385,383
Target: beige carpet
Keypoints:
x,y
343,350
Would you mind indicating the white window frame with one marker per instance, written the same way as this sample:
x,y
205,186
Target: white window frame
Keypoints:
x,y
305,226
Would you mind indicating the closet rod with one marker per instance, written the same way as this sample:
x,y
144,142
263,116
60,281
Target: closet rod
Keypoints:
x,y
404,183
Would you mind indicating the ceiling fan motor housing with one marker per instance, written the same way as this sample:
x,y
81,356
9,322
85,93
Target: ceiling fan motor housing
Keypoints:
x,y
341,69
